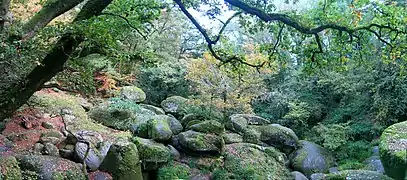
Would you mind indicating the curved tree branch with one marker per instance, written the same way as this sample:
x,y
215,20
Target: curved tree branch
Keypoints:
x,y
211,42
128,23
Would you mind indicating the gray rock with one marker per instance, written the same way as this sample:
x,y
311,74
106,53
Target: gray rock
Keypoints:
x,y
152,154
94,157
201,143
311,158
231,138
211,126
49,167
123,162
175,125
333,170
50,149
156,110
278,136
174,153
239,122
298,176
159,129
37,149
317,176
132,93
174,104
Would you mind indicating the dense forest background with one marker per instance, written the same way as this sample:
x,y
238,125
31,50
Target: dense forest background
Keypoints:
x,y
337,88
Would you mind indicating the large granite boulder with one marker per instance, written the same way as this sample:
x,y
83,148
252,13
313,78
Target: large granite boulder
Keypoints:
x,y
152,154
311,158
123,162
393,150
201,143
278,136
50,167
212,126
250,161
174,104
132,93
239,122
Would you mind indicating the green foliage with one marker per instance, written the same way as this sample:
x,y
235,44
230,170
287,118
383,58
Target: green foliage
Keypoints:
x,y
332,136
220,174
164,80
173,172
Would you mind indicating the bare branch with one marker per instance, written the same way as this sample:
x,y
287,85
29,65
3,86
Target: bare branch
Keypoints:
x,y
224,26
128,23
210,42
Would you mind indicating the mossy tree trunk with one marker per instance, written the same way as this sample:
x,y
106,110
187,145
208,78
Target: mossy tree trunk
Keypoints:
x,y
53,63
51,10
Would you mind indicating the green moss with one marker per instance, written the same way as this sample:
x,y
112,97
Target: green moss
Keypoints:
x,y
9,168
248,161
220,174
208,127
173,171
192,122
132,93
29,175
357,175
251,136
393,150
122,161
151,151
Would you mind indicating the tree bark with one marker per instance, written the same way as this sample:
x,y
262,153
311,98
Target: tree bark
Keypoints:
x,y
51,64
4,8
50,11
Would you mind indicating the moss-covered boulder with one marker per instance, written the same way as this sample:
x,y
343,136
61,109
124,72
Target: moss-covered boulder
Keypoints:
x,y
175,125
156,110
123,162
201,143
9,168
174,104
393,150
239,122
231,138
152,154
159,129
49,167
278,136
191,117
117,114
311,158
211,126
174,171
132,93
251,136
357,175
250,161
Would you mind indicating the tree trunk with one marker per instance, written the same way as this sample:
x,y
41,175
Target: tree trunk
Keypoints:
x,y
50,11
4,8
51,64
